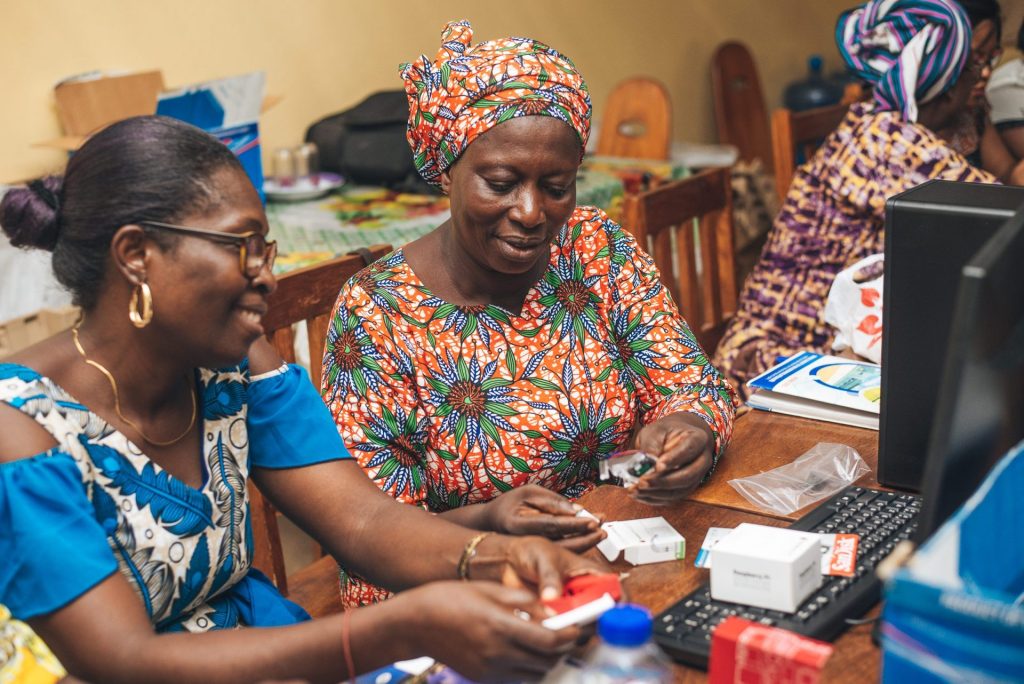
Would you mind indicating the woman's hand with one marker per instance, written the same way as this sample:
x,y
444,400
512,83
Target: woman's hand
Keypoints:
x,y
483,630
682,444
532,509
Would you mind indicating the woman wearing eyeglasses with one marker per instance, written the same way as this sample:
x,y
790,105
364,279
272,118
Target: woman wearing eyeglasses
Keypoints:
x,y
126,444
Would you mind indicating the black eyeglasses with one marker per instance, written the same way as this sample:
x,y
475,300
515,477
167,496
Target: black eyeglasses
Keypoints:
x,y
254,252
990,61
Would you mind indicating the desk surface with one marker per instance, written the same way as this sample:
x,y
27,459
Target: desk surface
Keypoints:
x,y
761,441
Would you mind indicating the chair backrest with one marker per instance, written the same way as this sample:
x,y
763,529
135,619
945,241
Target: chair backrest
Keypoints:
x,y
306,294
741,116
636,121
687,225
800,130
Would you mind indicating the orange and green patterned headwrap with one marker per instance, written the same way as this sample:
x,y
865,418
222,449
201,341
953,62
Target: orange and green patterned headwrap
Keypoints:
x,y
467,90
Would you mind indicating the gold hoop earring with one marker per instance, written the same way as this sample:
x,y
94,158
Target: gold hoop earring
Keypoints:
x,y
141,318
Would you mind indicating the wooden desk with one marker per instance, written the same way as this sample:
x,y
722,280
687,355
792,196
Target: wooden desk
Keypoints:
x,y
761,441
659,585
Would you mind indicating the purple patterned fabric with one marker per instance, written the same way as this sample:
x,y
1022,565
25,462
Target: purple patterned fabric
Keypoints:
x,y
833,216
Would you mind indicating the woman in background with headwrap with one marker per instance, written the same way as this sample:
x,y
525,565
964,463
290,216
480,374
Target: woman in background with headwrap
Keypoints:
x,y
917,56
525,339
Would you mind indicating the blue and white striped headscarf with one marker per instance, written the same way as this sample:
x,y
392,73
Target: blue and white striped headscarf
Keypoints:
x,y
910,50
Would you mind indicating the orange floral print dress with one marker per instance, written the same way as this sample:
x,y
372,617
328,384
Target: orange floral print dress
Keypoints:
x,y
445,406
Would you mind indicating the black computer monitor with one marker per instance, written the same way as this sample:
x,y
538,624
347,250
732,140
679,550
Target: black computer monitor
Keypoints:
x,y
980,408
930,233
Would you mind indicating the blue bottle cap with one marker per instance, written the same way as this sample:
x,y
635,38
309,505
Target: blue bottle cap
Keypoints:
x,y
815,63
625,625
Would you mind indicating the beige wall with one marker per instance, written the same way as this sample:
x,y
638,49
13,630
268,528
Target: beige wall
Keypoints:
x,y
324,55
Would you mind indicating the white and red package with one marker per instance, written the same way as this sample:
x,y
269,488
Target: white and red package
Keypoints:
x,y
839,554
584,599
854,308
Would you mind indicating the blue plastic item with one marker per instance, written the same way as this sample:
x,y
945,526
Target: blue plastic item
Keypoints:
x,y
813,91
626,652
955,613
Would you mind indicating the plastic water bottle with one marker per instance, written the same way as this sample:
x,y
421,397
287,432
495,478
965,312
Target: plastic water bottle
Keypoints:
x,y
626,652
813,91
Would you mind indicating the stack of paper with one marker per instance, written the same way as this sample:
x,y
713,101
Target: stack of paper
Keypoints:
x,y
822,387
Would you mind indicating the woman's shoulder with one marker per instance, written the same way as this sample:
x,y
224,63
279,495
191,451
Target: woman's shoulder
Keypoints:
x,y
882,145
589,229
390,272
21,381
24,392
14,370
888,133
591,218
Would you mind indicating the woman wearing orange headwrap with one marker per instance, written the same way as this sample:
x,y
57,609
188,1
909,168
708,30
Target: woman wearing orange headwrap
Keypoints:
x,y
525,339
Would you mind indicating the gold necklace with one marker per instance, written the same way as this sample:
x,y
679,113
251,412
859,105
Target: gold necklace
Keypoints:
x,y
117,398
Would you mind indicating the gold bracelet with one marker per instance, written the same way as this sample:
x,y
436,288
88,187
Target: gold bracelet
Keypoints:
x,y
469,552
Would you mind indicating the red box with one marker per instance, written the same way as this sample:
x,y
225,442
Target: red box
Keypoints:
x,y
745,652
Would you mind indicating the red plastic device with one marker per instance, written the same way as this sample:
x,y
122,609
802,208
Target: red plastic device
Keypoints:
x,y
583,589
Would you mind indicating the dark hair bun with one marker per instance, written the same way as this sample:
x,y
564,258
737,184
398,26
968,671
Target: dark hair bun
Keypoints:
x,y
31,217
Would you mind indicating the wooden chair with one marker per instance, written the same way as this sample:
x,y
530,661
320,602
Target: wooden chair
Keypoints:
x,y
637,120
800,130
740,113
304,295
687,224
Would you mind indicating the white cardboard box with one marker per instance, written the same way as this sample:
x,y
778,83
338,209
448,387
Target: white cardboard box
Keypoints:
x,y
767,567
647,540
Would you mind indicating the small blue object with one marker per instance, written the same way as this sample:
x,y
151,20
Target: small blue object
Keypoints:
x,y
625,625
228,109
813,91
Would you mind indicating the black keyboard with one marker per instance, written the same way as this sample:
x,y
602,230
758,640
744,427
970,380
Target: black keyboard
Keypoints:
x,y
882,519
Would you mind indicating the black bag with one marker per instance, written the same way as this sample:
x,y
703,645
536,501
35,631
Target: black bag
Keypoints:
x,y
366,144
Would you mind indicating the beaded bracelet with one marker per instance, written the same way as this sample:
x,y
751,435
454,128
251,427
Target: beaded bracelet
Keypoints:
x,y
469,552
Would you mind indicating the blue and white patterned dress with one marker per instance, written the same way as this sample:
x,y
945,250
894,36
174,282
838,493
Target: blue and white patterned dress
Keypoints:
x,y
95,503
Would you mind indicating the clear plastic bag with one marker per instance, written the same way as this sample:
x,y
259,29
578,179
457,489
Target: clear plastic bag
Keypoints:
x,y
820,472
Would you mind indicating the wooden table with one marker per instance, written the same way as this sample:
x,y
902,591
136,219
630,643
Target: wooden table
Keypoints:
x,y
761,441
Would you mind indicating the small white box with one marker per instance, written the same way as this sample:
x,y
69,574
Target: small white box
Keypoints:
x,y
767,567
647,540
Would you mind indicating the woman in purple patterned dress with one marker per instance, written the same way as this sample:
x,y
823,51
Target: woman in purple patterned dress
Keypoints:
x,y
833,214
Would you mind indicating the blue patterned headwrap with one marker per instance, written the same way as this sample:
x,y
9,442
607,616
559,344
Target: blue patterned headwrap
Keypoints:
x,y
911,51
